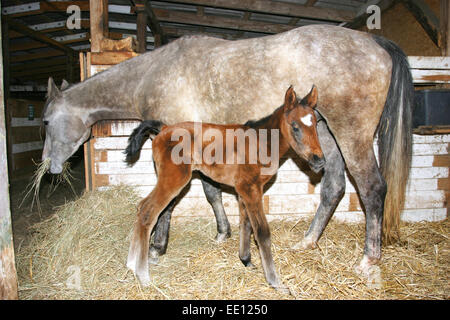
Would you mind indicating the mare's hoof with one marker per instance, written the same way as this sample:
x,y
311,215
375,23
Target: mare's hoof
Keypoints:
x,y
221,237
305,244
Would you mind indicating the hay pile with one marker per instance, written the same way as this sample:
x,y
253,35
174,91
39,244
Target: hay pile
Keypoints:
x,y
80,253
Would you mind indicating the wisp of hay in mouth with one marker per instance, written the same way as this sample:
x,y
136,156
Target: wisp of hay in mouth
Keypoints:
x,y
33,188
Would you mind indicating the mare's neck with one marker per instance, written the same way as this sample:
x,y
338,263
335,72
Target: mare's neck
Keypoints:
x,y
99,98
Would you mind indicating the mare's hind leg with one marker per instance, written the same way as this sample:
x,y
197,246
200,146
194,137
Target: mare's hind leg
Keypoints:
x,y
371,185
332,187
214,197
167,188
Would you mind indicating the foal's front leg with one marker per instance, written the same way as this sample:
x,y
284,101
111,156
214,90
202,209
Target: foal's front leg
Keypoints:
x,y
252,198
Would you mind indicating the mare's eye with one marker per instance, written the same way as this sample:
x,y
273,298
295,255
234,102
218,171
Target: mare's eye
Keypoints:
x,y
295,129
45,123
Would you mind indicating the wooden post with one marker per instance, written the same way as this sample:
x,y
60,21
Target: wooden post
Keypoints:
x,y
141,23
445,28
8,276
99,23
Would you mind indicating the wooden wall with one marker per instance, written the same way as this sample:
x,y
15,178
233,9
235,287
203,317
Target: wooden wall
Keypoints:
x,y
399,25
25,142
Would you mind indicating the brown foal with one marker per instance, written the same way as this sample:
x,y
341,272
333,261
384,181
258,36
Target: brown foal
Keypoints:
x,y
293,125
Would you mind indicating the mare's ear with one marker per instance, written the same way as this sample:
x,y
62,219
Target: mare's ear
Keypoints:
x,y
64,85
311,99
52,89
290,99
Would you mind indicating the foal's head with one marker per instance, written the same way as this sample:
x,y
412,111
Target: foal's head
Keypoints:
x,y
299,127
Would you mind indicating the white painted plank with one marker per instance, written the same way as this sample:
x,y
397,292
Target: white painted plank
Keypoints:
x,y
422,161
424,199
440,138
422,185
428,173
422,215
422,62
430,149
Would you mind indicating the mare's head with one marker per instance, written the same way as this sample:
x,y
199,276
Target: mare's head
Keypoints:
x,y
65,131
299,127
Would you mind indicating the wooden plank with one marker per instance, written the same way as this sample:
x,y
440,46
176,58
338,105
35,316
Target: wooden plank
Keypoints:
x,y
422,62
220,22
25,159
430,76
432,130
426,17
26,134
272,7
111,58
441,160
35,56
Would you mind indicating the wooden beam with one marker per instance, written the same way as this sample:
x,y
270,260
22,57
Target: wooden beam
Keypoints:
x,y
141,26
220,22
6,60
311,3
98,23
426,17
155,26
445,28
36,56
361,19
272,7
8,274
25,30
35,44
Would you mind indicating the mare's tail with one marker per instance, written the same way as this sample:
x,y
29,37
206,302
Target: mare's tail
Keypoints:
x,y
139,135
395,138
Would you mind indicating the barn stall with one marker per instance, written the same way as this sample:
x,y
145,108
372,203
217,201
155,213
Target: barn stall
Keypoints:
x,y
294,194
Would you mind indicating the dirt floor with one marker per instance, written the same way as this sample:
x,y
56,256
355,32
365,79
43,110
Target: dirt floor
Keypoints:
x,y
24,215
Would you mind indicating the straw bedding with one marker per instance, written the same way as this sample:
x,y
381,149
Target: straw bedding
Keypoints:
x,y
80,253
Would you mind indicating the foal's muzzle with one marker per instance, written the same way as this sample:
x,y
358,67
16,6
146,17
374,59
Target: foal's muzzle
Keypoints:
x,y
316,163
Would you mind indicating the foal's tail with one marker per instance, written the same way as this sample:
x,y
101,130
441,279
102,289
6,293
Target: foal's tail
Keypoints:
x,y
139,135
395,138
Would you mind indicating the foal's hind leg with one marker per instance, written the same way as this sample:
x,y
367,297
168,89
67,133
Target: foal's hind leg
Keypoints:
x,y
214,197
161,233
167,188
332,187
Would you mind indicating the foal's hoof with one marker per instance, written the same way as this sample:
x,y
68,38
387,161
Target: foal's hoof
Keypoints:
x,y
153,256
221,237
305,244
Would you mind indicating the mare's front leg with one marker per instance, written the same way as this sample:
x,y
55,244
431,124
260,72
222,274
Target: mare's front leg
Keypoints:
x,y
332,188
252,198
213,194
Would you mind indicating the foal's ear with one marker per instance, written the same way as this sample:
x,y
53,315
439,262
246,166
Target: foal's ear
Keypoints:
x,y
52,89
311,99
290,99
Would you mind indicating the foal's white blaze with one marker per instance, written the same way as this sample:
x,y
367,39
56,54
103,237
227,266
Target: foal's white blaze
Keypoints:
x,y
307,120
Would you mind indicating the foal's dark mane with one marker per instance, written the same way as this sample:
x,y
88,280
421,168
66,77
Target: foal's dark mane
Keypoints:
x,y
261,122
